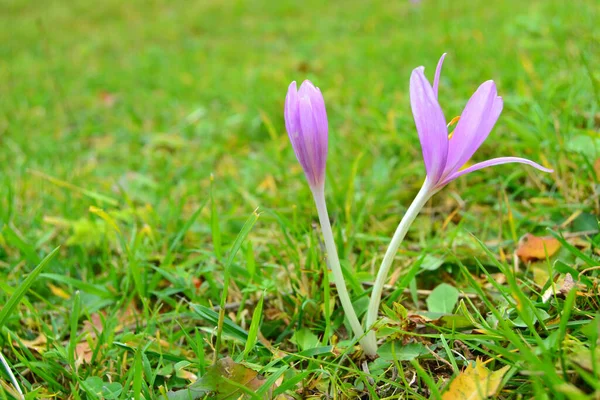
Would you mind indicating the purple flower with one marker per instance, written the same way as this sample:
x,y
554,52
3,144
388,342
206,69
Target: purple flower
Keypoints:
x,y
306,124
445,154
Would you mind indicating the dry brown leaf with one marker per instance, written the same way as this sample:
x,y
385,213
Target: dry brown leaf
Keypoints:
x,y
597,166
239,374
185,374
94,324
83,349
83,353
585,358
475,383
562,286
567,285
533,248
222,381
38,344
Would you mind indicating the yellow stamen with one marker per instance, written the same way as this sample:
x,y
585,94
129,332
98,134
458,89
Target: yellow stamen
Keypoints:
x,y
452,122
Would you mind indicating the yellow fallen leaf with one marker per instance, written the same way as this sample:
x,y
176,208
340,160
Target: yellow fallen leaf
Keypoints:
x,y
59,292
475,383
268,184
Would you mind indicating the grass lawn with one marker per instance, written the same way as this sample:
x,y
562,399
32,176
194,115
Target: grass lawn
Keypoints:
x,y
147,183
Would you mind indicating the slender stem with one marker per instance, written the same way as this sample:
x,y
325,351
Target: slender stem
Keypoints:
x,y
336,269
419,201
12,377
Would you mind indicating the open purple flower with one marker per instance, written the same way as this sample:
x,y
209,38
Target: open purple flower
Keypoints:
x,y
306,124
445,154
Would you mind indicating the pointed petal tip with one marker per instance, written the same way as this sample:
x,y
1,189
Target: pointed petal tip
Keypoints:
x,y
489,84
308,89
417,74
438,72
307,83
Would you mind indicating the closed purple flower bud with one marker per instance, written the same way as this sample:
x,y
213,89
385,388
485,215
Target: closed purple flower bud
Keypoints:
x,y
307,127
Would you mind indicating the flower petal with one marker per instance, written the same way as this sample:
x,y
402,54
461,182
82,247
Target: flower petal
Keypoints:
x,y
431,124
314,145
488,124
475,123
292,124
290,111
438,71
492,162
307,89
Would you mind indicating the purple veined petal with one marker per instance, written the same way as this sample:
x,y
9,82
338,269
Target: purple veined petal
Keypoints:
x,y
492,162
475,123
307,89
431,124
292,124
489,122
438,71
290,111
314,166
320,115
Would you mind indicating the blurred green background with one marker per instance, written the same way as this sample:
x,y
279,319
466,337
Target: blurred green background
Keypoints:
x,y
174,91
132,106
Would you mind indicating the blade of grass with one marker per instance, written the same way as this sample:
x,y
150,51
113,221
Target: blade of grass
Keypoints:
x,y
73,339
572,249
230,328
168,259
214,222
137,375
254,327
17,241
66,185
24,287
435,392
96,290
237,244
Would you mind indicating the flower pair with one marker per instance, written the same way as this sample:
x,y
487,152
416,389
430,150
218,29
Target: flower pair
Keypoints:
x,y
444,155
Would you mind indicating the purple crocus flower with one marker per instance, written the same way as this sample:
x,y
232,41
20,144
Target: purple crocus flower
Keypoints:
x,y
306,124
445,155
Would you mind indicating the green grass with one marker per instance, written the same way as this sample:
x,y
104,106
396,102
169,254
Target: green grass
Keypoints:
x,y
141,136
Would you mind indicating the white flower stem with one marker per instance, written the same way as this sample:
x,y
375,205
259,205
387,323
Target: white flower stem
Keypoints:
x,y
418,203
12,377
338,277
